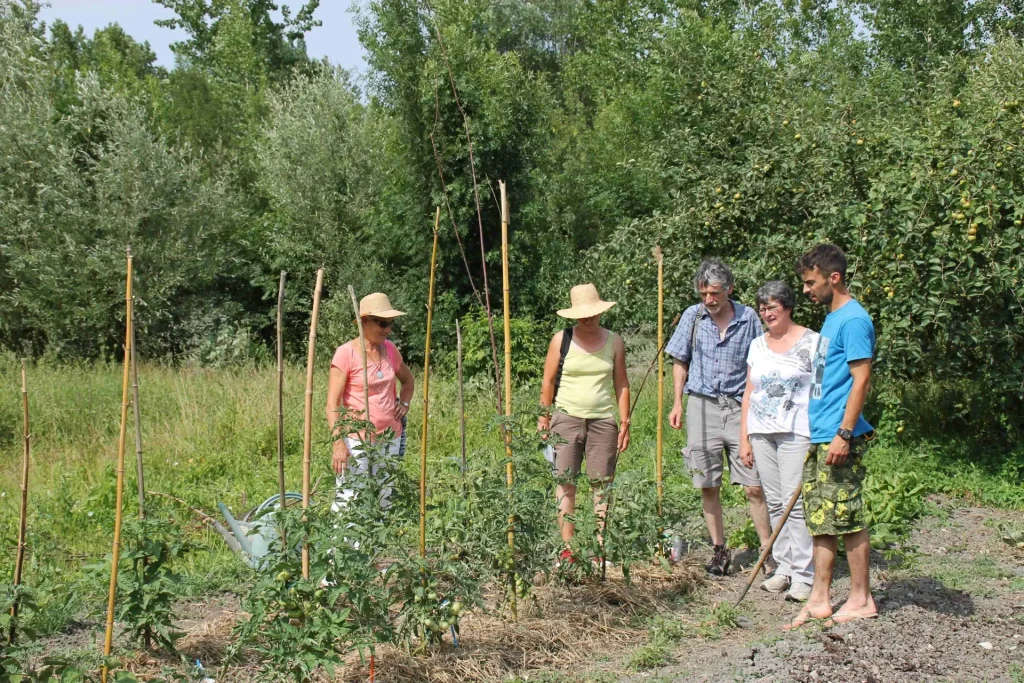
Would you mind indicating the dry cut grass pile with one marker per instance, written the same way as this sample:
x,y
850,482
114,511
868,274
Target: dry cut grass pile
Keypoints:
x,y
560,628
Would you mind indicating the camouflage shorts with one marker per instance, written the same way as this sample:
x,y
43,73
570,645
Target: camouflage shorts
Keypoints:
x,y
832,493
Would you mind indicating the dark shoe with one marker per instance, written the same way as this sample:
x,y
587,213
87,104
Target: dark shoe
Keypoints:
x,y
769,566
719,564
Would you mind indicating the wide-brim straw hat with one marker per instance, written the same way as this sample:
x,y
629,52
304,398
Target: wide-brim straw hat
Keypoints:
x,y
378,305
586,302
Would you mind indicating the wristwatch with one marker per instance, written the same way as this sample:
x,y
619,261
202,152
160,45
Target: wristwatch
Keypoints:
x,y
844,434
404,403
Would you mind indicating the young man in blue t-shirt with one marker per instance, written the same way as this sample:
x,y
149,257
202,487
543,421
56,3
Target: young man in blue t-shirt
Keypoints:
x,y
833,471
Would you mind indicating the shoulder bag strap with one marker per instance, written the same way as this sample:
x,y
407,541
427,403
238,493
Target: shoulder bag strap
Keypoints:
x,y
563,352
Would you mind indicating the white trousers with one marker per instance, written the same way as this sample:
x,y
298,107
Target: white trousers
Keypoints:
x,y
358,466
780,463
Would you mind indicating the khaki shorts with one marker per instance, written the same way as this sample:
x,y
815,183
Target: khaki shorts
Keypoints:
x,y
598,439
713,426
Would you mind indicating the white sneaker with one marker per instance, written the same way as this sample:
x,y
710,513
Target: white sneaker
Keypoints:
x,y
776,583
799,592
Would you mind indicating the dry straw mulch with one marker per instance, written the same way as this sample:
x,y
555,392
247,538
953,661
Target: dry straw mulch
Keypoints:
x,y
560,628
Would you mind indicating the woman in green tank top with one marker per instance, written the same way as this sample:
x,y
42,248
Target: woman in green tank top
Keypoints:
x,y
592,387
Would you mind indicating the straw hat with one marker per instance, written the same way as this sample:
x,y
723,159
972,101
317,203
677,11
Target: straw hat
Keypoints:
x,y
585,302
378,305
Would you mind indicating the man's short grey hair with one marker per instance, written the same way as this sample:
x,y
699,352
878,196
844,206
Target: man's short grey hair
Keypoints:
x,y
777,291
714,273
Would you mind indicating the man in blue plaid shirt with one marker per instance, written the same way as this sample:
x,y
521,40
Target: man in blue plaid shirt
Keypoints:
x,y
709,350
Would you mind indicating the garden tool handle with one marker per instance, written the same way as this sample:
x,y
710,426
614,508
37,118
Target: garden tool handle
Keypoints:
x,y
768,547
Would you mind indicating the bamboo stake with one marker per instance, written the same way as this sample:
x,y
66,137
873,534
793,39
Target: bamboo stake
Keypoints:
x,y
282,491
23,521
508,374
307,429
660,258
426,392
108,638
462,400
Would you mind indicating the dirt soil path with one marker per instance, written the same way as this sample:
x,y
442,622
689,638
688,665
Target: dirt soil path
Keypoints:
x,y
951,611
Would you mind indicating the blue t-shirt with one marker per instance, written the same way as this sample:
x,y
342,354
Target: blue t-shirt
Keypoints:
x,y
847,335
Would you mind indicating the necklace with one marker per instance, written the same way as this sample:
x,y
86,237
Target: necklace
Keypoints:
x,y
380,360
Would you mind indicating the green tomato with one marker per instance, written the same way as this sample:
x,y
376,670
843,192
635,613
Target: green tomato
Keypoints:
x,y
283,576
444,625
456,608
431,596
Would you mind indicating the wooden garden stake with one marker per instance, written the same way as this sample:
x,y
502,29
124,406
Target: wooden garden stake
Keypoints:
x,y
508,376
20,561
307,428
462,400
108,639
282,491
426,393
659,442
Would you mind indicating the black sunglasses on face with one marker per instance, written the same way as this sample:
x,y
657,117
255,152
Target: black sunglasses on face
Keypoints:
x,y
385,324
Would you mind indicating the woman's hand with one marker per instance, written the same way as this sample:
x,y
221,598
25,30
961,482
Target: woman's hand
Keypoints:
x,y
339,459
746,454
623,437
401,410
544,424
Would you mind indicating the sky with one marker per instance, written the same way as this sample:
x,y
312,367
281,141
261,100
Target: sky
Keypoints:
x,y
336,39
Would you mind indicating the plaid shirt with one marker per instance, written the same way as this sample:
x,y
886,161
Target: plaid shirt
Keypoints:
x,y
717,367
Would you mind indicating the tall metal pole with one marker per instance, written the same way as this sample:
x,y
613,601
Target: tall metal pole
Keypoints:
x,y
462,400
661,372
108,638
508,378
426,393
282,490
307,430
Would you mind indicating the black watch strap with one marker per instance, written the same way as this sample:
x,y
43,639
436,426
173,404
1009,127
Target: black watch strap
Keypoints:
x,y
844,434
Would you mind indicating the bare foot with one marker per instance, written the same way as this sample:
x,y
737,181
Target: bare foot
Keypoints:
x,y
809,613
851,611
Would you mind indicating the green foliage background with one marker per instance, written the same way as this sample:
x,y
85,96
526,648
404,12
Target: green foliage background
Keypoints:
x,y
745,130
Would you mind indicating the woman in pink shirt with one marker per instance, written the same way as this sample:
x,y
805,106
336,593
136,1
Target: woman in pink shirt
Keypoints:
x,y
345,392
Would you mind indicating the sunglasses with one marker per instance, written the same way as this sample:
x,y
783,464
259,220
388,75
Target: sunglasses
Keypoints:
x,y
381,322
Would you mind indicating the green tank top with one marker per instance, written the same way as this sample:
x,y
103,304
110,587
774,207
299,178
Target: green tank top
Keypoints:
x,y
587,389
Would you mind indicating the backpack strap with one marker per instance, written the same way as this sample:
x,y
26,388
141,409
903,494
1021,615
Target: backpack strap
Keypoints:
x,y
562,353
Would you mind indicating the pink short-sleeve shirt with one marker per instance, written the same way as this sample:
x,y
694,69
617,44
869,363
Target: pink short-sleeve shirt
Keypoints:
x,y
381,378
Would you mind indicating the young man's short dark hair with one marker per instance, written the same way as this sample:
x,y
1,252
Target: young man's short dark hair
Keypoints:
x,y
827,258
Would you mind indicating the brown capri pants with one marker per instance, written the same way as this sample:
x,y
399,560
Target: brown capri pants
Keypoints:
x,y
597,438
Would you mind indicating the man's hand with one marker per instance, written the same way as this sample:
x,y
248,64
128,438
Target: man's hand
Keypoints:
x,y
838,451
340,456
747,454
401,410
544,424
675,416
623,437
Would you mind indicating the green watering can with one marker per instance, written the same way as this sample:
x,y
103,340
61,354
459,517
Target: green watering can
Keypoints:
x,y
252,536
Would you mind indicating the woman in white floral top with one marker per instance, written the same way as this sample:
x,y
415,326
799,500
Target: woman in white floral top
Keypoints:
x,y
774,432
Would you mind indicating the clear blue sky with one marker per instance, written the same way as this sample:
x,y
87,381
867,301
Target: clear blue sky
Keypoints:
x,y
336,39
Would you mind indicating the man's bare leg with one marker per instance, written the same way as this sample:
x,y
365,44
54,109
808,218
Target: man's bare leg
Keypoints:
x,y
860,604
819,605
711,501
759,513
